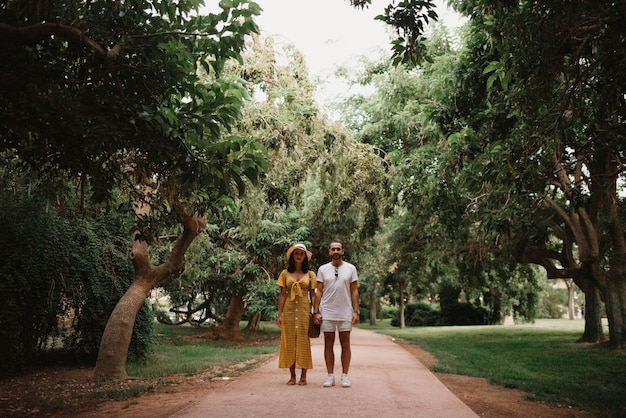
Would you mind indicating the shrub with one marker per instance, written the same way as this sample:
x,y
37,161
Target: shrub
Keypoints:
x,y
427,315
417,315
61,277
388,312
463,314
364,314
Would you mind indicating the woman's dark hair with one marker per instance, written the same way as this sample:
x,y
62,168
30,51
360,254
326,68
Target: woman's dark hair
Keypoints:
x,y
291,267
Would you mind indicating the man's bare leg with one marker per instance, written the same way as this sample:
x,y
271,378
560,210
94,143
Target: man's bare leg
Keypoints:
x,y
346,350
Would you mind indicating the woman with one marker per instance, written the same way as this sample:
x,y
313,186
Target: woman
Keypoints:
x,y
297,290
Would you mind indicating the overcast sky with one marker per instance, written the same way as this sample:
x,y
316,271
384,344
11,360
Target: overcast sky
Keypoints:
x,y
326,31
331,33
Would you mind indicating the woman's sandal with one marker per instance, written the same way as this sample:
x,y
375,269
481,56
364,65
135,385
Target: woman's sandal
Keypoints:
x,y
302,382
291,382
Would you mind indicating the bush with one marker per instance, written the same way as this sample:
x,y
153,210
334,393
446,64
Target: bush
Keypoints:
x,y
427,315
364,315
388,312
61,277
463,314
417,315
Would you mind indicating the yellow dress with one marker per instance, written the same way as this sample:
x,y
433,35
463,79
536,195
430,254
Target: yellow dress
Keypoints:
x,y
295,345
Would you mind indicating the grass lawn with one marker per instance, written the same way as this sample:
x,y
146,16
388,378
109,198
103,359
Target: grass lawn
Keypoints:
x,y
181,349
542,359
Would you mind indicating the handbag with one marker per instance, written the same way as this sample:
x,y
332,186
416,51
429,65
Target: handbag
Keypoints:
x,y
314,329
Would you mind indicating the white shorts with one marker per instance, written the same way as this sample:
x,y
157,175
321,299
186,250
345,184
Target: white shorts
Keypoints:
x,y
330,325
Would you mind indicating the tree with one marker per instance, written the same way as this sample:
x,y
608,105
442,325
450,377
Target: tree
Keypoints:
x,y
61,276
121,108
246,246
433,242
516,138
540,141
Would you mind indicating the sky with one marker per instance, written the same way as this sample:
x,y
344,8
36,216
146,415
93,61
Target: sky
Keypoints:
x,y
331,33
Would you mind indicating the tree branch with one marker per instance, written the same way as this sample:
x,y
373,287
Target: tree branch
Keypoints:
x,y
14,36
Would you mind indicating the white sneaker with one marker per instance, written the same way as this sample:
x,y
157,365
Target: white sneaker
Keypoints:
x,y
330,381
345,381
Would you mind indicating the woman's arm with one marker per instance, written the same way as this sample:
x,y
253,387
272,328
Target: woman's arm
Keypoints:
x,y
281,305
316,305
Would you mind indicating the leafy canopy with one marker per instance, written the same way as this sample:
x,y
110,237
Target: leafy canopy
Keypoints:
x,y
116,94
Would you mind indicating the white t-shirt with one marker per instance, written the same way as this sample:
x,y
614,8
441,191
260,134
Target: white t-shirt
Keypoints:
x,y
336,304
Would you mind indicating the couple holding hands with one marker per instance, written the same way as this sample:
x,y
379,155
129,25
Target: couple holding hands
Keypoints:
x,y
333,295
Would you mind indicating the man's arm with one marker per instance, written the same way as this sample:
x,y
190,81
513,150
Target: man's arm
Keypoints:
x,y
354,291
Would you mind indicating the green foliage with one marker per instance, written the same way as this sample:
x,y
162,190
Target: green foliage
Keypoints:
x,y
125,92
387,312
452,313
409,19
553,304
418,315
61,277
262,297
319,184
132,105
463,314
537,138
364,314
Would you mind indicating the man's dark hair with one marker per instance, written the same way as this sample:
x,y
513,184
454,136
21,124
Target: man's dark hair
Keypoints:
x,y
337,241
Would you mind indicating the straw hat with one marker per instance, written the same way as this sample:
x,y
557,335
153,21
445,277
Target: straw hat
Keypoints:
x,y
299,247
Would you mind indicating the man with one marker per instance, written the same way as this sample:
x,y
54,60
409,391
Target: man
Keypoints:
x,y
336,307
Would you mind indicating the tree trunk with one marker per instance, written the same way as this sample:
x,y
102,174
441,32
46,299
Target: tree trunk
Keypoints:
x,y
616,311
373,304
605,216
229,329
254,322
111,362
401,293
593,316
570,298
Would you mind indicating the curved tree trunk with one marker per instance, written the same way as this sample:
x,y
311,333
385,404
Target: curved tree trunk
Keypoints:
x,y
111,362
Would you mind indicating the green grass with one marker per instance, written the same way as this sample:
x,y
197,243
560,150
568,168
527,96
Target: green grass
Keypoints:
x,y
181,349
542,359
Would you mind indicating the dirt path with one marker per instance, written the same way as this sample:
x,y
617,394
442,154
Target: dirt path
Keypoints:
x,y
377,372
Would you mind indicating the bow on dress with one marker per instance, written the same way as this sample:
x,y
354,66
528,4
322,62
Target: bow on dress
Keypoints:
x,y
295,290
